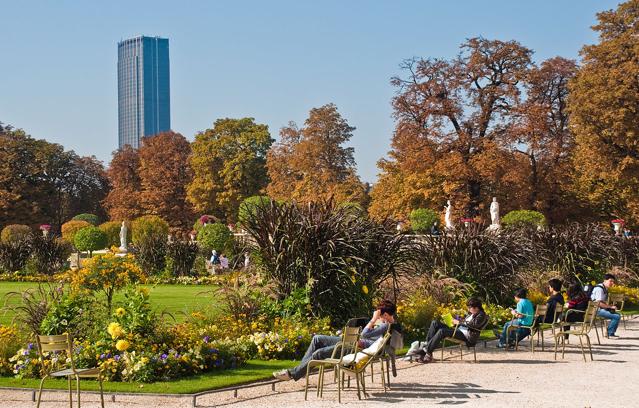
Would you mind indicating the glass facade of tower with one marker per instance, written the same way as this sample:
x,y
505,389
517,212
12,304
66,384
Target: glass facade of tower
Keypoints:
x,y
143,89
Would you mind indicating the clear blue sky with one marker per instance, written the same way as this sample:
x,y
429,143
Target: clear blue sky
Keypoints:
x,y
272,60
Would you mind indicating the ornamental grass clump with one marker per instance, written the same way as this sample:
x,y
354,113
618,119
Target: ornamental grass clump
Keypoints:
x,y
339,256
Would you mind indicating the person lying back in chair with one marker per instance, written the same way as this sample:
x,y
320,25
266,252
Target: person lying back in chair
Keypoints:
x,y
322,346
467,330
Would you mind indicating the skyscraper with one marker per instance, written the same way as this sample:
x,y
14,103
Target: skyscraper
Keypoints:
x,y
143,89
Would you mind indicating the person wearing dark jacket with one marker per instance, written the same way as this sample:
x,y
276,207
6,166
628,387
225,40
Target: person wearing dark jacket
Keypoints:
x,y
467,330
577,302
556,298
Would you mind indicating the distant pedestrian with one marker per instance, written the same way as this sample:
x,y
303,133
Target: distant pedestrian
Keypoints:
x,y
224,261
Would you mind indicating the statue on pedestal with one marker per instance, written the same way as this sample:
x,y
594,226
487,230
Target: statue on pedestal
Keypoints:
x,y
123,231
447,218
495,223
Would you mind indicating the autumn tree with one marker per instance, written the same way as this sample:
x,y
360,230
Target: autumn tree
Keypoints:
x,y
229,165
164,176
123,201
540,135
604,116
450,116
42,183
312,163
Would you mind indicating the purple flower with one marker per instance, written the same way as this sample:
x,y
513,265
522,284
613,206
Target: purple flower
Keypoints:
x,y
25,353
29,346
102,356
117,357
164,356
207,339
299,337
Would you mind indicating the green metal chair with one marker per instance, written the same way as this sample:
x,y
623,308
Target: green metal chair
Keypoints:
x,y
557,323
462,343
539,315
348,344
579,329
61,343
358,369
619,300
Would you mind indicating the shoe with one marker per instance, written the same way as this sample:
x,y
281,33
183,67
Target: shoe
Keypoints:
x,y
613,336
501,345
425,359
282,375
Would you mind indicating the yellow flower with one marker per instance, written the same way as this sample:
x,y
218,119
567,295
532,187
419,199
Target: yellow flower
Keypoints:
x,y
115,330
144,291
365,289
119,312
122,345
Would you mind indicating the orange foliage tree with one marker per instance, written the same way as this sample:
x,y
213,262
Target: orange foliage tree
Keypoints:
x,y
123,201
311,163
164,176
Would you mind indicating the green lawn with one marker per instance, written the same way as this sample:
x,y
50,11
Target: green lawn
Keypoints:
x,y
174,299
253,370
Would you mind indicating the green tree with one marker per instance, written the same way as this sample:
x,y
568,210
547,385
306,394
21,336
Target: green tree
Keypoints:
x,y
229,165
247,208
603,112
90,218
519,218
422,219
90,239
215,236
147,226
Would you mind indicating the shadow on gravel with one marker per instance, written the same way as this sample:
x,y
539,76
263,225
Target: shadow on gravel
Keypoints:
x,y
453,394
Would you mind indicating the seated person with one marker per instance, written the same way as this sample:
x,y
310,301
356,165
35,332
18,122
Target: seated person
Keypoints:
x,y
556,298
468,330
322,346
523,316
606,311
577,301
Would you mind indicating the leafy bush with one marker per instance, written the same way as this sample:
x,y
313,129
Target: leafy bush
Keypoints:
x,y
208,219
181,257
71,313
112,231
416,313
215,236
520,218
422,219
247,207
10,341
14,233
147,226
14,255
90,239
48,254
90,218
150,254
106,273
70,228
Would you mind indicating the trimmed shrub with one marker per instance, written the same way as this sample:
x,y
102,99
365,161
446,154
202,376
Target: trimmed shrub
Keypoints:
x,y
248,206
199,223
90,239
90,218
215,236
423,219
70,228
180,256
519,218
112,231
148,226
14,233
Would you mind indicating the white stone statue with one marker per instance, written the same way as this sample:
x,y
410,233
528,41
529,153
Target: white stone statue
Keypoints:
x,y
447,217
123,231
495,223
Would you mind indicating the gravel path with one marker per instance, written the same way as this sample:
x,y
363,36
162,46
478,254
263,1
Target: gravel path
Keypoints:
x,y
500,379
